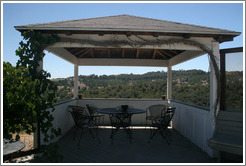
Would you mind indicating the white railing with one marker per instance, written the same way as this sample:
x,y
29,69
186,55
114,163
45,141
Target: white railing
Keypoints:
x,y
193,123
189,120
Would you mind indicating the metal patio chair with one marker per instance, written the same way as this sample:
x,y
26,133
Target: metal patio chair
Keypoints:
x,y
153,111
121,120
83,121
93,111
161,123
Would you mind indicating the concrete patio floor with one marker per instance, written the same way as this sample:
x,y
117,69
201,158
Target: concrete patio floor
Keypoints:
x,y
139,150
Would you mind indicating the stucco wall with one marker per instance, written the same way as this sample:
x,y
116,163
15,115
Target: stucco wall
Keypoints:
x,y
62,118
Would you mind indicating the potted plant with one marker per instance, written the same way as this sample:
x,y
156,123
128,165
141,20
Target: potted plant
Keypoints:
x,y
163,97
124,108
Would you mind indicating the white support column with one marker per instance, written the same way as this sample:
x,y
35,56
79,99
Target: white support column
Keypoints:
x,y
169,83
76,72
213,95
213,80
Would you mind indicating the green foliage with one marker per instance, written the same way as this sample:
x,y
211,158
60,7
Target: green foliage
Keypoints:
x,y
28,90
50,151
18,107
190,86
234,90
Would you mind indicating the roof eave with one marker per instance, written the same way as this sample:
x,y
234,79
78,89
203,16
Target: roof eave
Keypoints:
x,y
23,28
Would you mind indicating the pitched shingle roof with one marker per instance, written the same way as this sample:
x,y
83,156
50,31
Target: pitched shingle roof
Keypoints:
x,y
127,23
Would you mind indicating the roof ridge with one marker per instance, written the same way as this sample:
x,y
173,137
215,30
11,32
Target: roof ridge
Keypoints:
x,y
153,25
76,20
93,18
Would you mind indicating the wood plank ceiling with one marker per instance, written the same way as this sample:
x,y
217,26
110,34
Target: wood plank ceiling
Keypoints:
x,y
128,53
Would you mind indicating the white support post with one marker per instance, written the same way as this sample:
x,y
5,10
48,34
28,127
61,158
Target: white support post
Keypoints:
x,y
213,94
213,80
169,84
76,72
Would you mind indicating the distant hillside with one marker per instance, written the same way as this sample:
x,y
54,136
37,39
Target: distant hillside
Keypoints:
x,y
191,86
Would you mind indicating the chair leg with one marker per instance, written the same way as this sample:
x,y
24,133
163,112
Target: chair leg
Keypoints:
x,y
97,135
152,134
113,132
91,133
169,135
80,136
129,133
75,128
162,131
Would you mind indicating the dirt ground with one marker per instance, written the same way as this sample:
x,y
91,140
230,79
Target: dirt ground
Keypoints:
x,y
27,140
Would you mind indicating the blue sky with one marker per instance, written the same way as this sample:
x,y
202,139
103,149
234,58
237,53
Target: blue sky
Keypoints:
x,y
217,15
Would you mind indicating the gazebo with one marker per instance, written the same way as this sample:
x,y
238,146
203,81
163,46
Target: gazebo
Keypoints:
x,y
126,40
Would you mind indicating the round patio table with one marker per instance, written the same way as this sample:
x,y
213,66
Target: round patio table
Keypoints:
x,y
119,111
120,119
10,147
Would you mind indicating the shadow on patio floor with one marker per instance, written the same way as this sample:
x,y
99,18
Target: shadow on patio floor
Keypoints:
x,y
139,150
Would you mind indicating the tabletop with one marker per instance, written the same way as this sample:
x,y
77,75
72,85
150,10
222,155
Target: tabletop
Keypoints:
x,y
10,147
119,111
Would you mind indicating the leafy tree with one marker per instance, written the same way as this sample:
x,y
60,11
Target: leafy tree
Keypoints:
x,y
31,93
18,106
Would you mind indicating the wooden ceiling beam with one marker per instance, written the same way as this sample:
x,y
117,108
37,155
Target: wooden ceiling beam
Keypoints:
x,y
159,52
81,51
137,55
92,52
154,54
123,53
166,53
173,51
76,49
84,53
108,52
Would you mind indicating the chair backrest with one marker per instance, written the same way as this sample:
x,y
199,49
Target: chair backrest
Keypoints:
x,y
156,110
166,118
169,114
120,120
80,115
91,109
80,109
